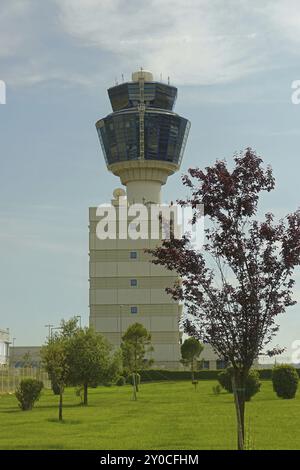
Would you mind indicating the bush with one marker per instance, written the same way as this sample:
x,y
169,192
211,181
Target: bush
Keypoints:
x,y
216,389
156,375
253,383
121,381
224,379
285,381
28,393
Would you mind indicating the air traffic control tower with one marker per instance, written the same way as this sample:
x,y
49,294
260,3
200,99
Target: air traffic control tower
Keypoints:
x,y
143,142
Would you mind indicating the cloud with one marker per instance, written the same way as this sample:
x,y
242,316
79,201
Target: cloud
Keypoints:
x,y
285,19
196,42
193,41
11,13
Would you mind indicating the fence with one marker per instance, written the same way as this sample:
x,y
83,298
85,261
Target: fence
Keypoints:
x,y
10,377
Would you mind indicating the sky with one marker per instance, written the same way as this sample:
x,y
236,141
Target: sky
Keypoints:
x,y
233,63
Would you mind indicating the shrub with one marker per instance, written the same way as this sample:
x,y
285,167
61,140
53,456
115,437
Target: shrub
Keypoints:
x,y
121,381
28,393
224,379
107,383
285,381
156,375
253,383
216,389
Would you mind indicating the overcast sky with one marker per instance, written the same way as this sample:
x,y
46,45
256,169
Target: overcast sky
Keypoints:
x,y
233,63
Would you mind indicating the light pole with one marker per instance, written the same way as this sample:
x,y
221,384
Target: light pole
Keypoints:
x,y
12,361
49,330
55,328
120,322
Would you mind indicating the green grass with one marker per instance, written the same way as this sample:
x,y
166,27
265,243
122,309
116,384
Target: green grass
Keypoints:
x,y
167,415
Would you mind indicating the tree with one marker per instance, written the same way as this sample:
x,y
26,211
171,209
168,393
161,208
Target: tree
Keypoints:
x,y
27,359
190,351
90,361
135,346
54,358
233,305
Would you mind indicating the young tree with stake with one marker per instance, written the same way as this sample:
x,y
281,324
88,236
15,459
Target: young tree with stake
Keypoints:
x,y
135,346
234,305
54,358
190,351
90,360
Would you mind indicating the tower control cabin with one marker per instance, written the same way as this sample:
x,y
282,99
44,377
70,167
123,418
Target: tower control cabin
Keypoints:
x,y
143,142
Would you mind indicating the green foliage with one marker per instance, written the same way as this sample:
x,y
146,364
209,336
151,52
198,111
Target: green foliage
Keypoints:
x,y
120,381
28,392
224,379
156,375
191,350
69,327
88,356
285,381
136,346
54,359
54,386
253,383
90,361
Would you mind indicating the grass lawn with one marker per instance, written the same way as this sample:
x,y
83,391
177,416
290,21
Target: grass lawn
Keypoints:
x,y
167,415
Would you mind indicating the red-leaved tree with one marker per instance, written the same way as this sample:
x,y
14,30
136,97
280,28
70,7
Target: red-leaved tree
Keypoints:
x,y
241,281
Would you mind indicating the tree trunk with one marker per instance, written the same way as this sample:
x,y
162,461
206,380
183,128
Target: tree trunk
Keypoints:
x,y
192,370
134,387
60,406
136,382
85,394
238,387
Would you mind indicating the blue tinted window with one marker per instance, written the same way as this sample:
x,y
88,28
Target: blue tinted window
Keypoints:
x,y
133,309
165,136
133,255
133,282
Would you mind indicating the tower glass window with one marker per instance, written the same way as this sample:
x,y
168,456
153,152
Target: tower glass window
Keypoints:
x,y
133,255
133,282
133,310
165,132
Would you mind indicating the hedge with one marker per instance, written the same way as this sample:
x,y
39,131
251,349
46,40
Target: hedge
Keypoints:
x,y
156,375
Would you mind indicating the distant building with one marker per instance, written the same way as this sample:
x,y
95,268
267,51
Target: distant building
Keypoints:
x,y
210,360
25,356
4,347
